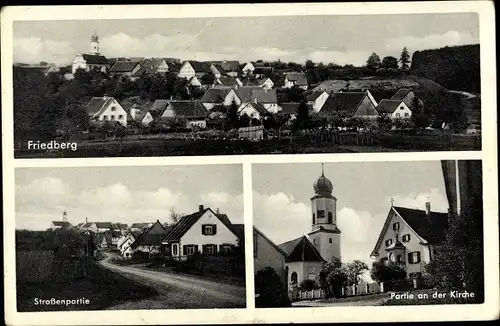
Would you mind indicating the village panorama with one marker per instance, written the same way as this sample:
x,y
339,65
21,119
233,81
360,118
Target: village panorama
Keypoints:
x,y
161,106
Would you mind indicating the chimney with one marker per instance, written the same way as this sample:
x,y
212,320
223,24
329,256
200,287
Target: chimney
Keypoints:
x,y
200,208
428,208
86,220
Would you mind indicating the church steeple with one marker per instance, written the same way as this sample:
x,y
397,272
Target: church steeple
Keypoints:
x,y
94,44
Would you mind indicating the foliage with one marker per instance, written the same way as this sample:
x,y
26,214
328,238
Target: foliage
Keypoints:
x,y
418,117
384,122
302,121
308,285
389,63
309,64
207,79
232,114
383,272
373,61
354,270
270,290
404,59
333,276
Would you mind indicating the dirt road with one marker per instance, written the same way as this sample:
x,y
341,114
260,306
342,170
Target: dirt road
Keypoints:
x,y
179,291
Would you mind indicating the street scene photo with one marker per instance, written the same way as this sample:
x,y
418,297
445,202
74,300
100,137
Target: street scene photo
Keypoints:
x,y
368,233
115,238
246,85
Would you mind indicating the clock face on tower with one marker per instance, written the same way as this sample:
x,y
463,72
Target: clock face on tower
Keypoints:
x,y
321,213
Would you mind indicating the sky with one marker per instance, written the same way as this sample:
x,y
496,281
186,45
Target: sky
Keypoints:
x,y
124,194
282,211
339,39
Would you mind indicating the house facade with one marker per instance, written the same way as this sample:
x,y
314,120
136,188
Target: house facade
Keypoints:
x,y
410,238
204,231
297,79
190,113
192,69
407,96
317,99
254,110
219,96
126,68
91,61
149,241
351,104
267,254
395,109
106,109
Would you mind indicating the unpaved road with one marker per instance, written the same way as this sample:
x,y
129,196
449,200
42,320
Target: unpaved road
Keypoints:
x,y
179,291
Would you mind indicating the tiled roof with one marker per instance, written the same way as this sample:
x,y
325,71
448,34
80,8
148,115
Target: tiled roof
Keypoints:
x,y
299,78
188,109
258,107
289,107
95,59
139,225
314,95
430,228
142,70
227,81
228,65
103,225
345,102
61,223
124,66
255,230
200,66
151,236
388,106
159,106
239,230
252,93
400,94
215,95
301,249
96,104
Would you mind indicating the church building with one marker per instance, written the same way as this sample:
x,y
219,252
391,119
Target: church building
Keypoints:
x,y
93,60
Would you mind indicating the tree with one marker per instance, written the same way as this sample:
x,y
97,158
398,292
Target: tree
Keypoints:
x,y
333,277
270,290
302,120
354,270
389,63
208,79
308,285
309,64
404,59
383,272
232,114
174,217
373,61
418,119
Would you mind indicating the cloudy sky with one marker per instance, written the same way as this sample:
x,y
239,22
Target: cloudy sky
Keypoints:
x,y
282,211
338,39
124,194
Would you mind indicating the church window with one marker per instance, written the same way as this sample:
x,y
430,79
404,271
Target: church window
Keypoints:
x,y
330,240
294,278
406,238
314,218
321,213
395,226
330,217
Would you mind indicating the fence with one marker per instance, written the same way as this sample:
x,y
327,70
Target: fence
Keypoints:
x,y
338,138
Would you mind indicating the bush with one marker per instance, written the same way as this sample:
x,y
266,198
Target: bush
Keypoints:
x,y
308,285
269,289
382,272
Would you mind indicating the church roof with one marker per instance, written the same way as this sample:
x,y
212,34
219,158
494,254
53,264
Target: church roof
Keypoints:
x,y
301,249
95,59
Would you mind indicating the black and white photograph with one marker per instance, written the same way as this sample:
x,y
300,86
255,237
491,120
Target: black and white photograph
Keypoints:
x,y
120,238
272,85
368,234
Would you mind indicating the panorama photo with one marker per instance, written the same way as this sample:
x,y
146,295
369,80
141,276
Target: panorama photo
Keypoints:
x,y
246,85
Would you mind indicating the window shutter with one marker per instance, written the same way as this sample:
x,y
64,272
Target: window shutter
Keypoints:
x,y
410,260
184,250
215,229
203,230
204,249
195,248
221,248
418,257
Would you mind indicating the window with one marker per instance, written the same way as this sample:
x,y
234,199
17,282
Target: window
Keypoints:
x,y
321,213
120,116
208,229
113,108
398,115
314,218
226,248
395,226
174,249
209,249
330,217
294,278
414,257
112,117
401,108
388,242
407,114
330,240
104,117
406,238
399,259
189,250
392,257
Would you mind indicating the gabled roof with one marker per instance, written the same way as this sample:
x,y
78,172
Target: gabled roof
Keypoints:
x,y
289,107
97,104
299,78
215,95
227,65
271,242
227,81
301,249
151,236
159,106
238,230
61,223
256,93
400,94
103,225
263,81
95,59
124,66
345,102
188,109
388,106
257,106
314,95
200,66
186,222
139,225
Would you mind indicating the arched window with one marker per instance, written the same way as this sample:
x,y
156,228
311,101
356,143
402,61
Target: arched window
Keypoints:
x,y
174,249
314,218
294,278
330,217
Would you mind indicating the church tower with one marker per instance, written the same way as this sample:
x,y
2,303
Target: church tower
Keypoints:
x,y
94,45
324,232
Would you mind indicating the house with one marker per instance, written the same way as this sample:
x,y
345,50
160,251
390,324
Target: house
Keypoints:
x,y
267,254
227,82
119,226
248,68
203,231
149,241
97,227
266,83
219,96
126,68
407,96
155,65
395,109
350,104
141,116
190,113
91,61
139,227
289,109
194,81
191,69
103,240
60,224
297,79
255,94
221,68
317,99
106,109
254,110
410,238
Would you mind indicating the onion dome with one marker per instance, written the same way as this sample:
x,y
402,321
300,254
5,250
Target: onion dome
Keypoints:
x,y
322,185
95,38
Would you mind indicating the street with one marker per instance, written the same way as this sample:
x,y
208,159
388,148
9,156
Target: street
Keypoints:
x,y
179,291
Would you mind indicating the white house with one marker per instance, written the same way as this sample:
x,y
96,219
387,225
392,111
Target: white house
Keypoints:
x,y
266,83
141,115
124,245
106,109
396,109
407,95
92,60
149,241
248,68
298,79
126,68
219,96
317,99
97,227
254,110
411,238
204,231
194,81
191,69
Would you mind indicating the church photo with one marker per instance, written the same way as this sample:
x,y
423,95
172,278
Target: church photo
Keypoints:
x,y
360,233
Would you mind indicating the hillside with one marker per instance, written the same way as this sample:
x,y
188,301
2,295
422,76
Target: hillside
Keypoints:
x,y
456,68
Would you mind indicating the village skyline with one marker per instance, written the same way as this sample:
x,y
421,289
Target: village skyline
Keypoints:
x,y
42,195
296,39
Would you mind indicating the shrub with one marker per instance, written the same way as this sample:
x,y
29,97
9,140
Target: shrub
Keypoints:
x,y
308,285
270,290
